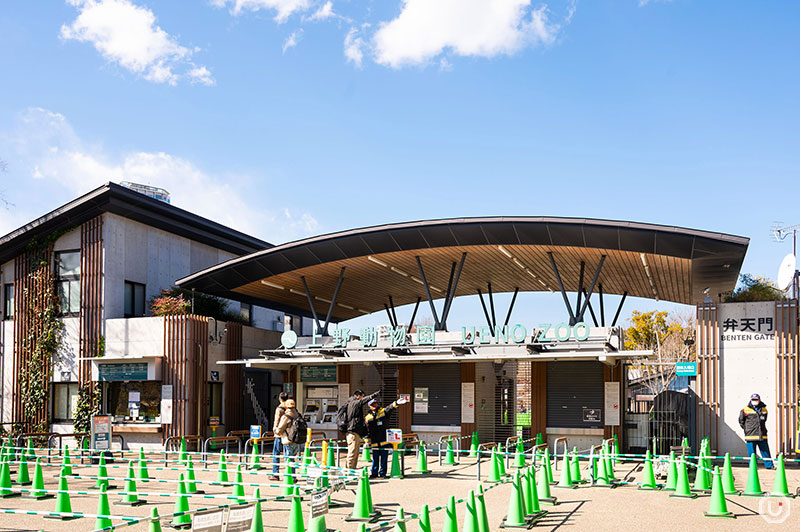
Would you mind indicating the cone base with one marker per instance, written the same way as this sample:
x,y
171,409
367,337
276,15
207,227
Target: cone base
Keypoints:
x,y
728,515
549,500
181,526
760,494
525,525
374,516
428,472
9,495
786,495
39,497
195,492
681,496
134,504
607,485
61,517
566,487
23,483
650,488
734,492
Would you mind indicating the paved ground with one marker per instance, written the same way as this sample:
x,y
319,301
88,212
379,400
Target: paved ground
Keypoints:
x,y
597,509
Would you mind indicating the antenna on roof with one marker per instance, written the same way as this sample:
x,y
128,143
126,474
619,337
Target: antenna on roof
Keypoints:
x,y
787,272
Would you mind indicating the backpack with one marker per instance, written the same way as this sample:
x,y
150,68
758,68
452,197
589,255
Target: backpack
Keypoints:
x,y
341,418
297,431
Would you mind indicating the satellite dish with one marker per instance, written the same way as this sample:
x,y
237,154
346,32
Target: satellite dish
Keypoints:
x,y
786,271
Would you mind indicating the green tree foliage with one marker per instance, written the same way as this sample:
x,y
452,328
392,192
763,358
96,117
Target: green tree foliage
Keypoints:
x,y
179,301
752,288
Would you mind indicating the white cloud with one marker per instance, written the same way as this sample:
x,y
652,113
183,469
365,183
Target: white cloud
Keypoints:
x,y
353,47
424,29
283,8
325,11
292,40
128,35
52,161
201,75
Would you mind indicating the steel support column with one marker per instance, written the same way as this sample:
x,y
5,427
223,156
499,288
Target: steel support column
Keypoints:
x,y
323,329
455,274
619,309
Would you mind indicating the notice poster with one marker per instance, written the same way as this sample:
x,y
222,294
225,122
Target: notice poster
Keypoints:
x,y
240,519
166,404
468,402
319,503
420,400
101,433
208,521
611,409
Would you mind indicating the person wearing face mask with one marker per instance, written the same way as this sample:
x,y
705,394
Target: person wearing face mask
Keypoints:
x,y
753,420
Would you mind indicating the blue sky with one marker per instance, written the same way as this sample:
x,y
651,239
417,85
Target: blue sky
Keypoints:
x,y
311,116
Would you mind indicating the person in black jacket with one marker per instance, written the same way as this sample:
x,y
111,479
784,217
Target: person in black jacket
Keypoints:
x,y
376,427
753,420
356,428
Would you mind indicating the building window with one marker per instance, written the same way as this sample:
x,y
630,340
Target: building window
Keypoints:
x,y
134,401
246,312
215,402
8,301
134,299
65,401
68,281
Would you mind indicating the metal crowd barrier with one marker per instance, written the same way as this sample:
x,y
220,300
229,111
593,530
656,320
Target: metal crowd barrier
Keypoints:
x,y
555,451
78,436
221,439
442,444
188,438
511,440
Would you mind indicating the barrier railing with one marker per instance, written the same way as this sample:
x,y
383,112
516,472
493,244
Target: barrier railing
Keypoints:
x,y
77,436
511,440
442,444
220,439
188,438
555,450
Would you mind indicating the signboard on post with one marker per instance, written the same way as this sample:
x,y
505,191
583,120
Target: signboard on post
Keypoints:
x,y
394,436
240,519
101,433
319,503
208,521
166,404
686,369
255,432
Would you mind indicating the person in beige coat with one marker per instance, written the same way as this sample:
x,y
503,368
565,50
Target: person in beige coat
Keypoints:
x,y
291,413
277,444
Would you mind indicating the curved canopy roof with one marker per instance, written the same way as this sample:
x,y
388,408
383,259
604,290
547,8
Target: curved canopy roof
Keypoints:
x,y
644,260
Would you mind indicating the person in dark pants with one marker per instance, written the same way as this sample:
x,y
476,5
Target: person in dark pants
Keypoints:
x,y
753,420
376,432
277,444
356,428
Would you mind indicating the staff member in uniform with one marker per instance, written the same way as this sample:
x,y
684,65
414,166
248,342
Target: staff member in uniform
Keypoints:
x,y
376,428
753,420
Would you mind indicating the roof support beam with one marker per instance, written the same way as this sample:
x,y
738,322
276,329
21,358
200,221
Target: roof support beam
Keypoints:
x,y
323,329
619,309
310,302
602,311
394,314
491,306
580,286
389,313
591,310
582,310
572,319
414,314
441,322
485,311
511,306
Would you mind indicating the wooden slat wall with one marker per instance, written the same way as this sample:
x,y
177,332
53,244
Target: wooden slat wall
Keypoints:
x,y
467,375
708,374
785,417
404,385
30,291
614,374
233,377
539,398
185,355
91,313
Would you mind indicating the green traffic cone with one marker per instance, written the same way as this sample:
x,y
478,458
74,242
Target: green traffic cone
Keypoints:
x,y
494,470
672,473
130,498
31,452
331,460
366,456
648,477
37,490
425,520
182,452
548,466
609,464
566,475
191,481
238,486
182,520
288,478
728,486
362,507
257,524
480,504
255,457
682,488
780,488
702,481
616,447
501,462
450,458
396,471
519,457
102,473
23,475
470,514
543,488
576,467
368,490
601,478
422,460
63,504
103,511
144,474
450,516
535,510
222,469
296,513
155,521
473,446
753,488
400,523
718,506
527,491
515,518
66,462
5,482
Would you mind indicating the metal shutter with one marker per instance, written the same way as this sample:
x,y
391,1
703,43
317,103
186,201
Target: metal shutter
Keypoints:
x,y
444,393
377,376
571,387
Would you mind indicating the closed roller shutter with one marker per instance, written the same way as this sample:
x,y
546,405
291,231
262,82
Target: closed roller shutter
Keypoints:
x,y
443,382
374,377
571,387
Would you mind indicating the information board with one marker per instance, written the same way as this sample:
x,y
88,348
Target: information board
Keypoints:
x,y
611,409
208,521
314,373
468,402
421,400
166,404
255,432
319,503
394,436
240,519
591,415
101,432
686,369
126,371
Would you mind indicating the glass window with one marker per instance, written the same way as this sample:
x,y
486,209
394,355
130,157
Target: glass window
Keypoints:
x,y
65,401
134,299
8,301
246,312
121,403
215,400
68,266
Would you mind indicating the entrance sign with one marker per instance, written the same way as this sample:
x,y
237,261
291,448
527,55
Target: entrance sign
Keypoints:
x,y
612,404
255,432
166,404
319,503
208,521
240,519
318,373
101,433
591,415
686,369
394,436
468,402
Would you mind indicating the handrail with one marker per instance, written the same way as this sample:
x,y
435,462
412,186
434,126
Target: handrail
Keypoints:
x,y
555,451
60,436
509,441
246,456
217,439
187,437
21,438
535,452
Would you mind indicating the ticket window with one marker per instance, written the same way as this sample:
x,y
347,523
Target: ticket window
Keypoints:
x,y
320,404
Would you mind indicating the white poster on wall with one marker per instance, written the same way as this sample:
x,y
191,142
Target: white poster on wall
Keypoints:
x,y
612,404
166,404
468,402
